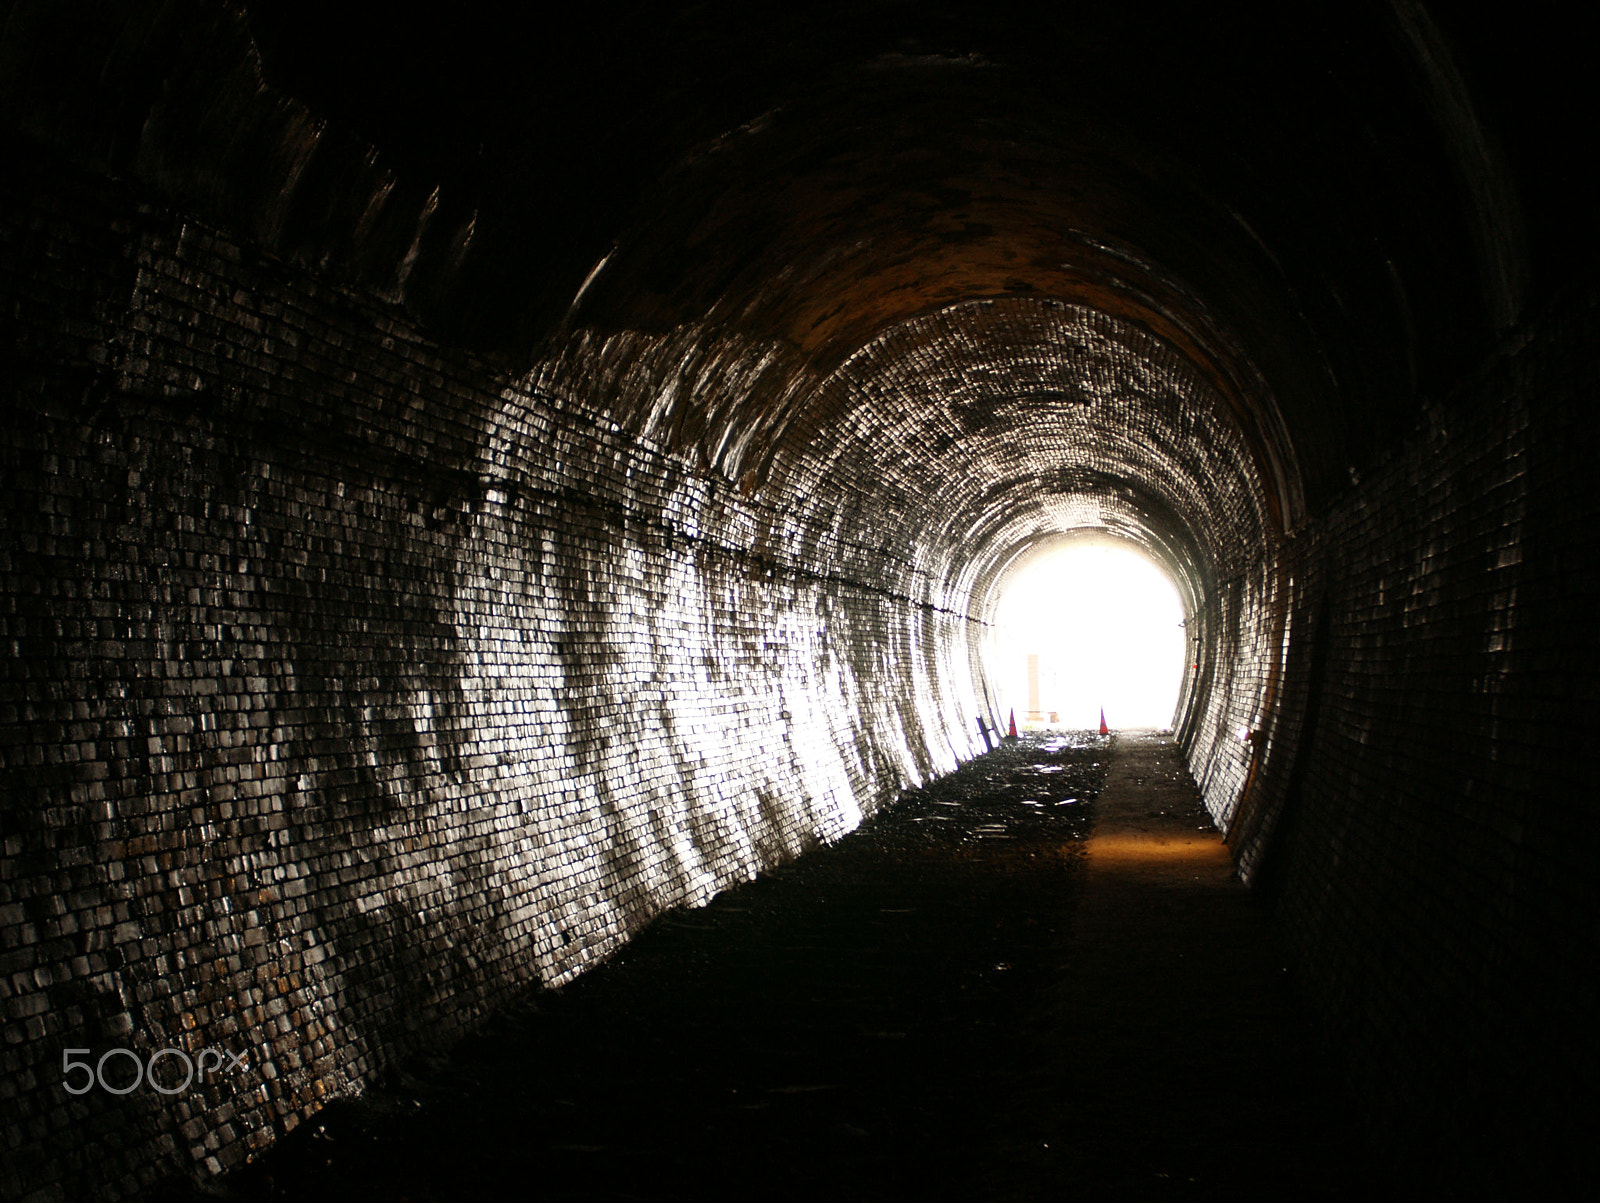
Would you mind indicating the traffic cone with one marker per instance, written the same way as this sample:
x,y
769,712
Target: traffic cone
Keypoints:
x,y
1012,733
1104,730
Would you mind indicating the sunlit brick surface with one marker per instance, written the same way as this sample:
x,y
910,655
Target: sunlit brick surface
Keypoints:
x,y
352,687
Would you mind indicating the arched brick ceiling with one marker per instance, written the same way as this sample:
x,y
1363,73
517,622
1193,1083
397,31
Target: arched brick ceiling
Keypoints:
x,y
816,229
811,245
871,304
995,424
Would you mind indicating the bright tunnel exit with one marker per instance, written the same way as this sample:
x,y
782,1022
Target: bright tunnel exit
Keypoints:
x,y
1092,625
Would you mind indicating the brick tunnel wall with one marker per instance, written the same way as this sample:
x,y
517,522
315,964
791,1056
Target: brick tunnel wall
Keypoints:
x,y
351,687
1422,804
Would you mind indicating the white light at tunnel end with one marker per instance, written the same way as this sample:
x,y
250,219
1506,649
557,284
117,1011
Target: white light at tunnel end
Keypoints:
x,y
1107,626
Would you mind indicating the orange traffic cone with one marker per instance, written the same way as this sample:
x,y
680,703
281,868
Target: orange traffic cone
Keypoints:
x,y
1104,730
1012,733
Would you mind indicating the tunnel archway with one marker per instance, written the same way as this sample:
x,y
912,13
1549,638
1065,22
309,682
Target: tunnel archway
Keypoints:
x,y
459,511
935,393
1081,626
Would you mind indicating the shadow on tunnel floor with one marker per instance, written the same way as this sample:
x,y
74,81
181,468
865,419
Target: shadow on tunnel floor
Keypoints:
x,y
884,1018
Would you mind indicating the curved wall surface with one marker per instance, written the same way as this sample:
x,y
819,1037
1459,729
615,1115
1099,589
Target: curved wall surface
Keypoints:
x,y
331,724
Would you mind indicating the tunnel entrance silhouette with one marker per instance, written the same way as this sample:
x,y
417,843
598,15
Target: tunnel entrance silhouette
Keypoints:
x,y
1081,625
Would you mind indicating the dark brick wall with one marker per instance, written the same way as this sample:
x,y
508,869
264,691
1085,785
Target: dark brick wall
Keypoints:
x,y
1425,808
351,686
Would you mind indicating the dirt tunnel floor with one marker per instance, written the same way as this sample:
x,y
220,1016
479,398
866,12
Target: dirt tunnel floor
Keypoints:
x,y
1037,978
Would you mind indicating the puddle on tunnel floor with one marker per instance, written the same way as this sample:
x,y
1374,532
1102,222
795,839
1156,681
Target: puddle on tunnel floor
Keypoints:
x,y
871,1021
